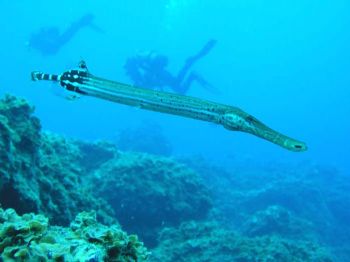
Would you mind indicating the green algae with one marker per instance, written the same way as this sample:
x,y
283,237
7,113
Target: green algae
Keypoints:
x,y
31,238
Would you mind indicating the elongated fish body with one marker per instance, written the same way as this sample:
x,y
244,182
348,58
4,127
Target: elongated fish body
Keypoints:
x,y
82,82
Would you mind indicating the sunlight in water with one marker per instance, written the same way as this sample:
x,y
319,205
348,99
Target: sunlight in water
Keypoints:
x,y
176,12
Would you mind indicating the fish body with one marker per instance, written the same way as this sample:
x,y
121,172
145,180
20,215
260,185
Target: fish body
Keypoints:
x,y
80,81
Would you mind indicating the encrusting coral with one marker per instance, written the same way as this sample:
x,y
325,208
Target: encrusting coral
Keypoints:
x,y
31,238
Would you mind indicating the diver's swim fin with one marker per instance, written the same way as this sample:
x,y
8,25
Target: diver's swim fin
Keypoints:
x,y
206,49
192,59
87,21
203,52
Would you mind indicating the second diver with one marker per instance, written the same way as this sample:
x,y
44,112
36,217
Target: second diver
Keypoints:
x,y
149,70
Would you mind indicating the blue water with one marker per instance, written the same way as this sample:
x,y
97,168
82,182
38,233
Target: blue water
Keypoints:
x,y
285,62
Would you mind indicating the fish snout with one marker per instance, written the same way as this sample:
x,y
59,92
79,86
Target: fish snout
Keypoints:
x,y
295,146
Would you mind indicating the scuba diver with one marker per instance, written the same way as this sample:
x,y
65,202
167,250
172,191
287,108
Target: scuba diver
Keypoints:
x,y
149,70
49,40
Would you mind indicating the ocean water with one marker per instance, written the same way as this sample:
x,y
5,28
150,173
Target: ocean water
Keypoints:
x,y
285,62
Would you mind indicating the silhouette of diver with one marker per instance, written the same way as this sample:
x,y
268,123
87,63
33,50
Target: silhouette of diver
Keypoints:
x,y
149,70
49,40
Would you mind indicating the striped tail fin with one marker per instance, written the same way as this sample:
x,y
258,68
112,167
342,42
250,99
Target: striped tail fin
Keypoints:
x,y
37,75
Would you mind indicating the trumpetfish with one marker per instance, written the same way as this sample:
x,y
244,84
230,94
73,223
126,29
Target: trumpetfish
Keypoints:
x,y
81,82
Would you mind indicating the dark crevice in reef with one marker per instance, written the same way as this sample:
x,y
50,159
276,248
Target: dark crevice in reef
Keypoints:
x,y
11,198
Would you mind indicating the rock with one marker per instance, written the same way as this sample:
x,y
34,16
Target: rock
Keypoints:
x,y
60,177
41,172
210,242
278,221
148,192
312,201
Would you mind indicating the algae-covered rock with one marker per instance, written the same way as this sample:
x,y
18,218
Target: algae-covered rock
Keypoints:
x,y
41,172
93,155
47,173
148,192
315,199
210,242
63,186
20,129
277,220
315,194
31,238
277,209
19,144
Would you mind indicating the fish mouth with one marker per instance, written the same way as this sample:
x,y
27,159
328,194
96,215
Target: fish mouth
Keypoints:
x,y
249,124
296,146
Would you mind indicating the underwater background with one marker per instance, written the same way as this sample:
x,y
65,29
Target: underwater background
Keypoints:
x,y
190,190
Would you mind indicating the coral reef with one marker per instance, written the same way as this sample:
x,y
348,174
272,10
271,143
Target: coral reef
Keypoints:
x,y
31,238
149,192
210,242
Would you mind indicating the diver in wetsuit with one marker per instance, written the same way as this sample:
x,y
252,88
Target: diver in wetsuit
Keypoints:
x,y
49,40
149,71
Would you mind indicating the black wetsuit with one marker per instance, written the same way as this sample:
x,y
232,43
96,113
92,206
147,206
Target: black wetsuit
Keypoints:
x,y
49,40
149,70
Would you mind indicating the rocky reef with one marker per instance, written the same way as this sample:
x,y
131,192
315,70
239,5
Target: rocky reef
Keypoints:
x,y
184,210
46,173
209,241
149,192
297,202
278,221
31,238
41,172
